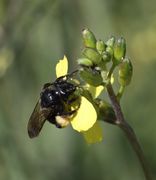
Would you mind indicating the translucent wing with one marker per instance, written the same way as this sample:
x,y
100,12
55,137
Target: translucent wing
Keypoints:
x,y
37,119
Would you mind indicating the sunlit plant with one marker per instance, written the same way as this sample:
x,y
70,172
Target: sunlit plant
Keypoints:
x,y
76,98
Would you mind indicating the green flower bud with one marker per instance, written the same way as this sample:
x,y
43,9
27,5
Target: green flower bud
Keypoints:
x,y
92,54
100,46
106,56
119,49
91,76
85,62
111,41
104,75
125,72
89,38
102,65
106,112
109,49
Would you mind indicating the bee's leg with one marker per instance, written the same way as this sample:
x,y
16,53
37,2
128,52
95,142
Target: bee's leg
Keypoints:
x,y
68,113
72,100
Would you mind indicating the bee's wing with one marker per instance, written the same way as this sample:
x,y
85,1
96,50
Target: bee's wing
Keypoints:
x,y
37,119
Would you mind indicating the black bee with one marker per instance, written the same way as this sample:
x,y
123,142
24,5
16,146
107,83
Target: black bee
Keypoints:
x,y
53,105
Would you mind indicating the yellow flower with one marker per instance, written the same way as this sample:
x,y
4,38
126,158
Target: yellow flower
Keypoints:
x,y
85,120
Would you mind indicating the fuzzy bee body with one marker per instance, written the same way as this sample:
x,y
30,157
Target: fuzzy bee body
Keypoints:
x,y
53,106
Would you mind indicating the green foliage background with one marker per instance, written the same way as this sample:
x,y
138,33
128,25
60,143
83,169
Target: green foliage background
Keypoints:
x,y
33,36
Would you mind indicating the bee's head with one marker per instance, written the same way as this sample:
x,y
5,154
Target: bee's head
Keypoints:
x,y
49,97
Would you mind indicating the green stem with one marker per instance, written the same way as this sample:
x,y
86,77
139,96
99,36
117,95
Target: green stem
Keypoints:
x,y
129,132
111,71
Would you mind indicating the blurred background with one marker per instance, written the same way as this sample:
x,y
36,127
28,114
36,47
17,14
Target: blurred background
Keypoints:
x,y
33,36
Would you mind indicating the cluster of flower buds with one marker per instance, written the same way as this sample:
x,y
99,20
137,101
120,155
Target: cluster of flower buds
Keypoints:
x,y
97,54
98,61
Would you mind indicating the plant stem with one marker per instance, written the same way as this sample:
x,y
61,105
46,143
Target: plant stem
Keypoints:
x,y
120,93
130,134
111,70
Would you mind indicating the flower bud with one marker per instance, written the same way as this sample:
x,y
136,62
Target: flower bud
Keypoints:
x,y
106,56
92,54
100,46
111,41
106,112
119,49
89,38
85,62
125,72
91,76
109,49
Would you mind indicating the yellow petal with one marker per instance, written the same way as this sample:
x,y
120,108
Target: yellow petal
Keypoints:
x,y
94,134
62,67
95,91
98,91
85,117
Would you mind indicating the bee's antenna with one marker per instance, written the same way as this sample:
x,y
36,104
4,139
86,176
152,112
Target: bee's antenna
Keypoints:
x,y
67,75
72,73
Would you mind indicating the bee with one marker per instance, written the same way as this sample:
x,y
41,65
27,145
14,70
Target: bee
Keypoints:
x,y
54,105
